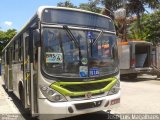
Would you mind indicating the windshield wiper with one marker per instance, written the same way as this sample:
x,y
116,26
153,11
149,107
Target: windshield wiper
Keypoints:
x,y
100,34
72,38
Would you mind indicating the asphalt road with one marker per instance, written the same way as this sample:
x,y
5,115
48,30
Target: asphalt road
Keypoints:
x,y
139,96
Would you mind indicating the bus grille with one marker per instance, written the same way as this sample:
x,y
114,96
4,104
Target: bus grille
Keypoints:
x,y
83,96
86,87
88,105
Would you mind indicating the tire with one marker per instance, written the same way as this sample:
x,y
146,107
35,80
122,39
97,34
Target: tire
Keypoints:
x,y
21,94
22,98
123,76
132,76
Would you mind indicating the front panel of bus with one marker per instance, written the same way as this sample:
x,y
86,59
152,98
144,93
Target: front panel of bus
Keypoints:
x,y
78,61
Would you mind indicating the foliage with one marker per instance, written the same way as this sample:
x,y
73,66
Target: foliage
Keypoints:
x,y
66,3
150,28
2,35
141,29
112,5
92,5
138,7
6,36
135,32
133,8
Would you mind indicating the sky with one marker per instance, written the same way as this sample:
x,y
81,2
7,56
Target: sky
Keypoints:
x,y
15,13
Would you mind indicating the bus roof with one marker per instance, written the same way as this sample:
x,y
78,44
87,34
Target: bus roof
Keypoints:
x,y
134,42
146,42
39,15
41,8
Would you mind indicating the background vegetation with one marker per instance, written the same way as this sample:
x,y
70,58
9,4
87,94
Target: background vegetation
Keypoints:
x,y
140,22
5,37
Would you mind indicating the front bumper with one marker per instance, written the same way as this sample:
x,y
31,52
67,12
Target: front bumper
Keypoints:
x,y
136,70
144,70
51,110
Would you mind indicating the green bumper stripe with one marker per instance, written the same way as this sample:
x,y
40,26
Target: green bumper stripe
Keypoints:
x,y
58,86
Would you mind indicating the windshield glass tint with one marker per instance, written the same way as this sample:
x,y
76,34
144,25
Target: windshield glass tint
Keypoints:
x,y
70,17
61,57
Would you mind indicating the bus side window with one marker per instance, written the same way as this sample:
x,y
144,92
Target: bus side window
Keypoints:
x,y
20,49
13,53
36,44
16,51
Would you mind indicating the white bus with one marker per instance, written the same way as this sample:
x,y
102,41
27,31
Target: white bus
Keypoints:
x,y
64,62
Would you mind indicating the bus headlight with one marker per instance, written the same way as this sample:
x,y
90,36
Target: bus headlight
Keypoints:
x,y
115,89
52,95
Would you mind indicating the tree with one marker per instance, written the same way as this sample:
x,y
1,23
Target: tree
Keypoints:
x,y
66,3
134,31
151,28
111,6
138,7
133,7
10,33
2,35
5,37
92,5
154,30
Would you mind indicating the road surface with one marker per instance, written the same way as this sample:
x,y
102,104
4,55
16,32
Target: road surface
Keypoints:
x,y
139,96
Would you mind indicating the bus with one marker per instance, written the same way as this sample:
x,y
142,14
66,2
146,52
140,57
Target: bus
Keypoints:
x,y
63,62
135,58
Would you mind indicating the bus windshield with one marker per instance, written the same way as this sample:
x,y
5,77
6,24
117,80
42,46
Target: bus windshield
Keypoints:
x,y
63,58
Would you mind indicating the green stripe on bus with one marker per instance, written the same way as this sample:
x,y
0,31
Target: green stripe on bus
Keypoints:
x,y
57,86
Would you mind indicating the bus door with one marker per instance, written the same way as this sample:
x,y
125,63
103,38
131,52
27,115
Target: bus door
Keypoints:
x,y
6,69
33,51
26,71
9,77
30,71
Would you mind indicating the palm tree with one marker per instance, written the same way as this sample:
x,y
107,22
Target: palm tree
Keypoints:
x,y
133,7
91,6
110,6
138,7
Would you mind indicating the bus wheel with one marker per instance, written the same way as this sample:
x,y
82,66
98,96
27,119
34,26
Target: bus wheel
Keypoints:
x,y
158,76
21,93
132,76
123,76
